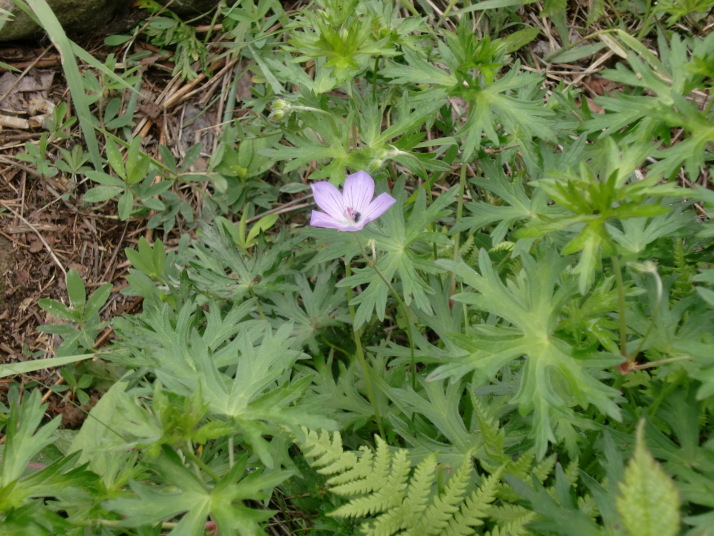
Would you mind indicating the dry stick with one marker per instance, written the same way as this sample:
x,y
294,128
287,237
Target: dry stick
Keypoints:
x,y
290,206
183,91
39,235
209,87
593,68
142,129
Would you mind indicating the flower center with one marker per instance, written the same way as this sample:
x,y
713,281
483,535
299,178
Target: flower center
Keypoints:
x,y
352,214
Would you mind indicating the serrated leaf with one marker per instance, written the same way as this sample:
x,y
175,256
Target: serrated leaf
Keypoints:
x,y
24,437
649,501
402,242
530,303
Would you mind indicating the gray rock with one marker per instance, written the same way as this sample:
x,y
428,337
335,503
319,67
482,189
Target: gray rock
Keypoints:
x,y
78,16
75,15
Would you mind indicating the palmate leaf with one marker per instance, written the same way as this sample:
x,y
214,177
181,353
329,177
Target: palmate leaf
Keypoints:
x,y
24,437
440,407
561,512
553,379
505,105
241,369
604,189
681,328
514,204
185,494
494,107
218,267
61,481
661,103
314,307
406,244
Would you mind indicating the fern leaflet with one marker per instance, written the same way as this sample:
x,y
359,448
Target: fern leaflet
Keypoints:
x,y
399,499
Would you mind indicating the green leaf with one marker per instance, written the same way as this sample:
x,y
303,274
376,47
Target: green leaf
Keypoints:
x,y
649,500
554,380
263,224
519,39
137,163
149,259
24,437
75,289
185,494
97,300
125,205
23,367
404,243
99,194
59,309
45,17
568,55
395,499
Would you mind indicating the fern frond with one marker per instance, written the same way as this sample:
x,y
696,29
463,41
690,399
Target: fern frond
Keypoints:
x,y
572,472
445,505
503,246
511,520
475,508
420,486
357,479
329,455
467,247
683,285
390,475
521,467
400,499
414,503
588,506
493,436
544,468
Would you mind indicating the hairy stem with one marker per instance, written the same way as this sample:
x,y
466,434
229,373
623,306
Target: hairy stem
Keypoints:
x,y
620,305
459,210
400,302
360,357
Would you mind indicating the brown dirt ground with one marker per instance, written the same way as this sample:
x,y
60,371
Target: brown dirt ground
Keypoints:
x,y
46,229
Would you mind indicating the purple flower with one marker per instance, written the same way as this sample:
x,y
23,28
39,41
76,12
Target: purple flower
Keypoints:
x,y
351,209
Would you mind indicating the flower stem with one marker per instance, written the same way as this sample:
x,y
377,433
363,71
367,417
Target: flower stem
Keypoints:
x,y
360,357
620,305
400,302
459,211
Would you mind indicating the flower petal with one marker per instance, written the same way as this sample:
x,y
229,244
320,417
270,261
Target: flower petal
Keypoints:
x,y
358,191
329,199
377,207
320,219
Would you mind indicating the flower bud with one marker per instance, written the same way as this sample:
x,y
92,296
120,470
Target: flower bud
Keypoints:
x,y
277,115
375,164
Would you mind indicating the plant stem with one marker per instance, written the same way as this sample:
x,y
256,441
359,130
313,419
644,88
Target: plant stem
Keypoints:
x,y
360,356
459,211
651,269
231,456
200,463
405,310
620,305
